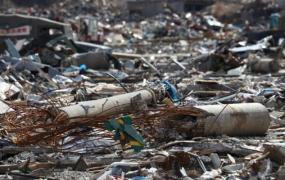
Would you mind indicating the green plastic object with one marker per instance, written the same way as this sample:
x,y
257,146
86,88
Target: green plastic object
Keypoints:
x,y
125,132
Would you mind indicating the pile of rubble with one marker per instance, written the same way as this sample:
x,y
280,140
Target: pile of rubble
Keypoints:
x,y
175,96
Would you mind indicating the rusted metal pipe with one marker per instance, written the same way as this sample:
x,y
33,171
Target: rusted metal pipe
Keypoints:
x,y
235,120
109,106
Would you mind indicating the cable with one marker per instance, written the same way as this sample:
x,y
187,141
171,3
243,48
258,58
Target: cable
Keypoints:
x,y
109,74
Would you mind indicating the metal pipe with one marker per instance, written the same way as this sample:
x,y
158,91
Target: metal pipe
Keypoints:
x,y
109,106
235,120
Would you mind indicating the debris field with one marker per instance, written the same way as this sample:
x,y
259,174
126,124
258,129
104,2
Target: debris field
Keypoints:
x,y
97,90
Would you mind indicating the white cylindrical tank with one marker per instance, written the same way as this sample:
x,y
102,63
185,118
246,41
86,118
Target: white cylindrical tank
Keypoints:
x,y
235,119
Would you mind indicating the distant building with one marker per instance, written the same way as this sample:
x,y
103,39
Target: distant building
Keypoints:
x,y
153,7
32,2
196,5
282,6
113,3
5,4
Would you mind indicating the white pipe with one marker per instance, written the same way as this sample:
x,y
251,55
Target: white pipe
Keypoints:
x,y
108,106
